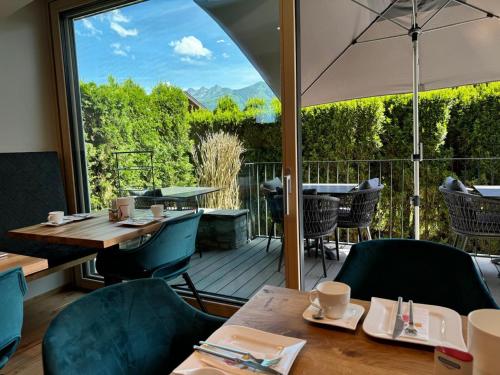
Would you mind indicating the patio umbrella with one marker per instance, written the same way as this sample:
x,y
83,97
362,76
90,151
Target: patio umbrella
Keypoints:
x,y
361,48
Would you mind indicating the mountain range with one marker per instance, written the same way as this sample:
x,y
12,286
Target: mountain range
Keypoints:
x,y
209,96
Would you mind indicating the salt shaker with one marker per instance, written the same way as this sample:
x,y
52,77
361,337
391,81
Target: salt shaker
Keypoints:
x,y
448,361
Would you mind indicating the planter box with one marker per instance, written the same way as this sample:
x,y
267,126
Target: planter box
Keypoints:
x,y
222,230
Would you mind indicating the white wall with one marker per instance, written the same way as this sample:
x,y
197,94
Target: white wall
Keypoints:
x,y
28,109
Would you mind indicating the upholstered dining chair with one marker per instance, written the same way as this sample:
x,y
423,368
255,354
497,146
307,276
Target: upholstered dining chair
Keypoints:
x,y
138,327
166,254
423,271
12,290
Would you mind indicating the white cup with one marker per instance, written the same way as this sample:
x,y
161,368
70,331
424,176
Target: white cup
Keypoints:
x,y
333,297
483,341
123,207
157,210
56,217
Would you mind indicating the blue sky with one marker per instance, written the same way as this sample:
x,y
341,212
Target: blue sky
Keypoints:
x,y
155,41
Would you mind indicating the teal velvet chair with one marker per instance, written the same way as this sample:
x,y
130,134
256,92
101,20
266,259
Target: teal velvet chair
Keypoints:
x,y
423,271
12,291
166,255
137,327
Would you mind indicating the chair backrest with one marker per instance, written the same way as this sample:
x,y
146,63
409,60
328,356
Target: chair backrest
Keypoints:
x,y
423,271
31,187
320,215
276,207
174,243
12,290
138,327
358,207
472,214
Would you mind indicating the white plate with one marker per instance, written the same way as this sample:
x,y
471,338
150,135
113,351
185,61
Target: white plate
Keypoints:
x,y
136,222
350,319
445,325
66,220
79,217
259,343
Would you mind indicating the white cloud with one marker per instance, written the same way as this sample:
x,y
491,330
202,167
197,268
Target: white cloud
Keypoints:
x,y
120,50
221,41
91,30
190,46
225,55
118,16
123,32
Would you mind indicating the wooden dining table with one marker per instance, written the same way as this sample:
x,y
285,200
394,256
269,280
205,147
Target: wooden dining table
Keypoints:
x,y
331,350
96,232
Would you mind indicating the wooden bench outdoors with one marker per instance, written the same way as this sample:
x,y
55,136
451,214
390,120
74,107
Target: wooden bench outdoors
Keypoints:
x,y
31,186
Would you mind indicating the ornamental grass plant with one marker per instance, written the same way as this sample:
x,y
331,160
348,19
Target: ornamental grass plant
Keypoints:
x,y
218,160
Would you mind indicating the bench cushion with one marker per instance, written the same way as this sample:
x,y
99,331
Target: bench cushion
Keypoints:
x,y
31,185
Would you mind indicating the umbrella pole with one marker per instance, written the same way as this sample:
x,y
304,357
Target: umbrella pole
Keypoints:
x,y
417,157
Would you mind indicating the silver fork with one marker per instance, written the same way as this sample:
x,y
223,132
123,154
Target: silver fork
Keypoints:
x,y
411,330
245,355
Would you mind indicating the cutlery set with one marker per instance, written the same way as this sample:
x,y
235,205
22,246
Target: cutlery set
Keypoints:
x,y
247,359
400,324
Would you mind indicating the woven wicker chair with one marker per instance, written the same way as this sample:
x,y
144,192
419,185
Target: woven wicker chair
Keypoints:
x,y
270,190
320,219
471,215
357,209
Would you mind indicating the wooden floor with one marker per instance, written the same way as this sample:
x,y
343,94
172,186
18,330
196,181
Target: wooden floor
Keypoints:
x,y
240,273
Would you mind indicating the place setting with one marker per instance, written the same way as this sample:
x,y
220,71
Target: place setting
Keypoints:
x,y
330,305
57,218
234,349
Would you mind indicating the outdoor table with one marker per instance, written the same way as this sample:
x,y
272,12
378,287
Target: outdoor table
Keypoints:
x,y
330,189
488,191
180,194
96,232
29,265
331,350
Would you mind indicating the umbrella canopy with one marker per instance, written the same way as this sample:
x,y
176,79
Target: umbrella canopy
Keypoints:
x,y
361,48
458,44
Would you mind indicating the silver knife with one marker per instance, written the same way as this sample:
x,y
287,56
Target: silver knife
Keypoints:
x,y
399,324
251,364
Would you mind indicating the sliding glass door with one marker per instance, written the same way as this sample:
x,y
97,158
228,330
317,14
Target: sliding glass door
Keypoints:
x,y
166,95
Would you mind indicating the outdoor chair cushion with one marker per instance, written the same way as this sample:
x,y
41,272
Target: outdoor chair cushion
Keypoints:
x,y
454,184
423,271
12,287
372,183
33,188
137,327
271,185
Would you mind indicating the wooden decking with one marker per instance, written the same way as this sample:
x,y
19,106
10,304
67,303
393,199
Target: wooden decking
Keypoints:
x,y
240,273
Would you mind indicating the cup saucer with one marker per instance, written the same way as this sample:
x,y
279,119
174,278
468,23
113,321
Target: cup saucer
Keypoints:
x,y
350,319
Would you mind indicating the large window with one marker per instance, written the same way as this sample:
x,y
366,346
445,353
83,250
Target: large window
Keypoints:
x,y
162,96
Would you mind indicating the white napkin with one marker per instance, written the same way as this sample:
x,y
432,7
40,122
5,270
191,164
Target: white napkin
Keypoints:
x,y
420,320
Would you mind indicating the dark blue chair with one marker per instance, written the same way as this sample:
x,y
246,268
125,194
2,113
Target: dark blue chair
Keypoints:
x,y
166,255
12,290
423,271
138,327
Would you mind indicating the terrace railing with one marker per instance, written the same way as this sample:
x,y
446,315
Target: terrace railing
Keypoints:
x,y
394,212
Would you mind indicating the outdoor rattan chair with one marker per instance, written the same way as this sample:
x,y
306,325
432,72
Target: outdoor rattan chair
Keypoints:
x,y
320,214
270,190
471,215
357,209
